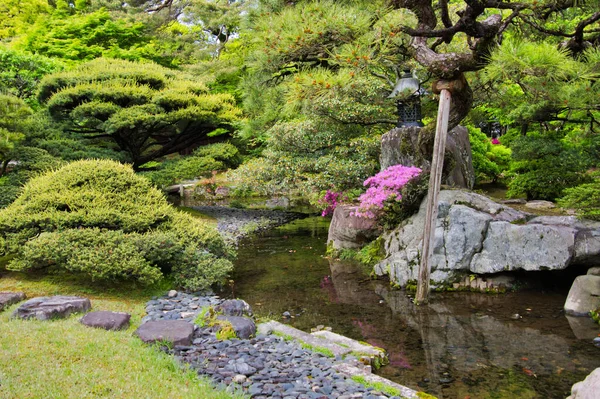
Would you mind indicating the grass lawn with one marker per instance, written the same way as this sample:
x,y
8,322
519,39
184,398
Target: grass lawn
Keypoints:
x,y
64,359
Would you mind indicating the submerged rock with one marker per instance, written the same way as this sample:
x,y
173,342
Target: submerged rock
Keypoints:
x,y
474,234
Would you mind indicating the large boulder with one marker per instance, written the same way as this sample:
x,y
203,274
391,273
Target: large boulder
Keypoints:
x,y
474,234
588,388
54,307
349,231
401,146
584,296
10,298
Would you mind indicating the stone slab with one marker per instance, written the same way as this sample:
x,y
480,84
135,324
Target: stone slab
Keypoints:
x,y
351,371
106,320
355,346
177,332
54,307
309,339
10,298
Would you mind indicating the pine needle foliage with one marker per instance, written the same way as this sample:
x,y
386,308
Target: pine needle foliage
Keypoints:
x,y
148,111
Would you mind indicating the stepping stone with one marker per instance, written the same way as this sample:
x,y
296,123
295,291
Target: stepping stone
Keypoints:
x,y
9,298
54,307
243,327
106,320
178,332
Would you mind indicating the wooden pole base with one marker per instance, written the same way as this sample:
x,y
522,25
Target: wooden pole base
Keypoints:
x,y
435,181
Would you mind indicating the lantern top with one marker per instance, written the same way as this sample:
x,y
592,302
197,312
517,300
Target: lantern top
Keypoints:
x,y
407,85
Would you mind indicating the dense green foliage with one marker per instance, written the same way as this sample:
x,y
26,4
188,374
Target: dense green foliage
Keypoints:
x,y
99,219
313,80
146,110
204,161
20,72
585,198
489,160
543,167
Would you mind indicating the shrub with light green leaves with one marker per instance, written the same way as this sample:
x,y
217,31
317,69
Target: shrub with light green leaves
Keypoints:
x,y
489,160
585,198
201,163
99,219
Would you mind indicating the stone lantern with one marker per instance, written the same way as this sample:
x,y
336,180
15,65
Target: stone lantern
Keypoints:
x,y
408,100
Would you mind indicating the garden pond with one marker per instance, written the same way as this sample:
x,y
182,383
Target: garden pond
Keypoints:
x,y
461,345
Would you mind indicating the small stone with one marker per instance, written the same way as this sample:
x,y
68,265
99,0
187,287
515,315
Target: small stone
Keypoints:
x,y
185,315
516,316
172,294
106,320
239,378
593,271
539,204
286,315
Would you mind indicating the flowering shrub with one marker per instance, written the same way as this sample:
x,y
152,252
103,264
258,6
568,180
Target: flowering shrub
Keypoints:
x,y
383,186
330,201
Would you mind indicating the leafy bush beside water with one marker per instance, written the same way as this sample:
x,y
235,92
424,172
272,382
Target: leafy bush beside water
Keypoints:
x,y
99,219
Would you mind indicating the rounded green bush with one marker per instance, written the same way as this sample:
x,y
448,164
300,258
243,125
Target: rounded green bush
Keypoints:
x,y
99,219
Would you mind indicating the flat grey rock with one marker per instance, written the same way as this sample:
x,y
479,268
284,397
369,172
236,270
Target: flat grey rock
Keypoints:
x,y
106,320
54,307
177,332
10,298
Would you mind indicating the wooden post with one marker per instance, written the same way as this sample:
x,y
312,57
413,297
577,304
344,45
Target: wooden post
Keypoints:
x,y
435,181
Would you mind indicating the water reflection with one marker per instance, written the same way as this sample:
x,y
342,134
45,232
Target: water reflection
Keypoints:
x,y
517,345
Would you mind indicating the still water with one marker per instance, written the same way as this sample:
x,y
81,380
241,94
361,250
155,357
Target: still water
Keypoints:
x,y
461,345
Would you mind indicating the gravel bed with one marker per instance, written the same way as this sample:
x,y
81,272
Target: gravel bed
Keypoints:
x,y
237,223
266,366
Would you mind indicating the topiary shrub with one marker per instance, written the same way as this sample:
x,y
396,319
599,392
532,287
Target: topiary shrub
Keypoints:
x,y
99,219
